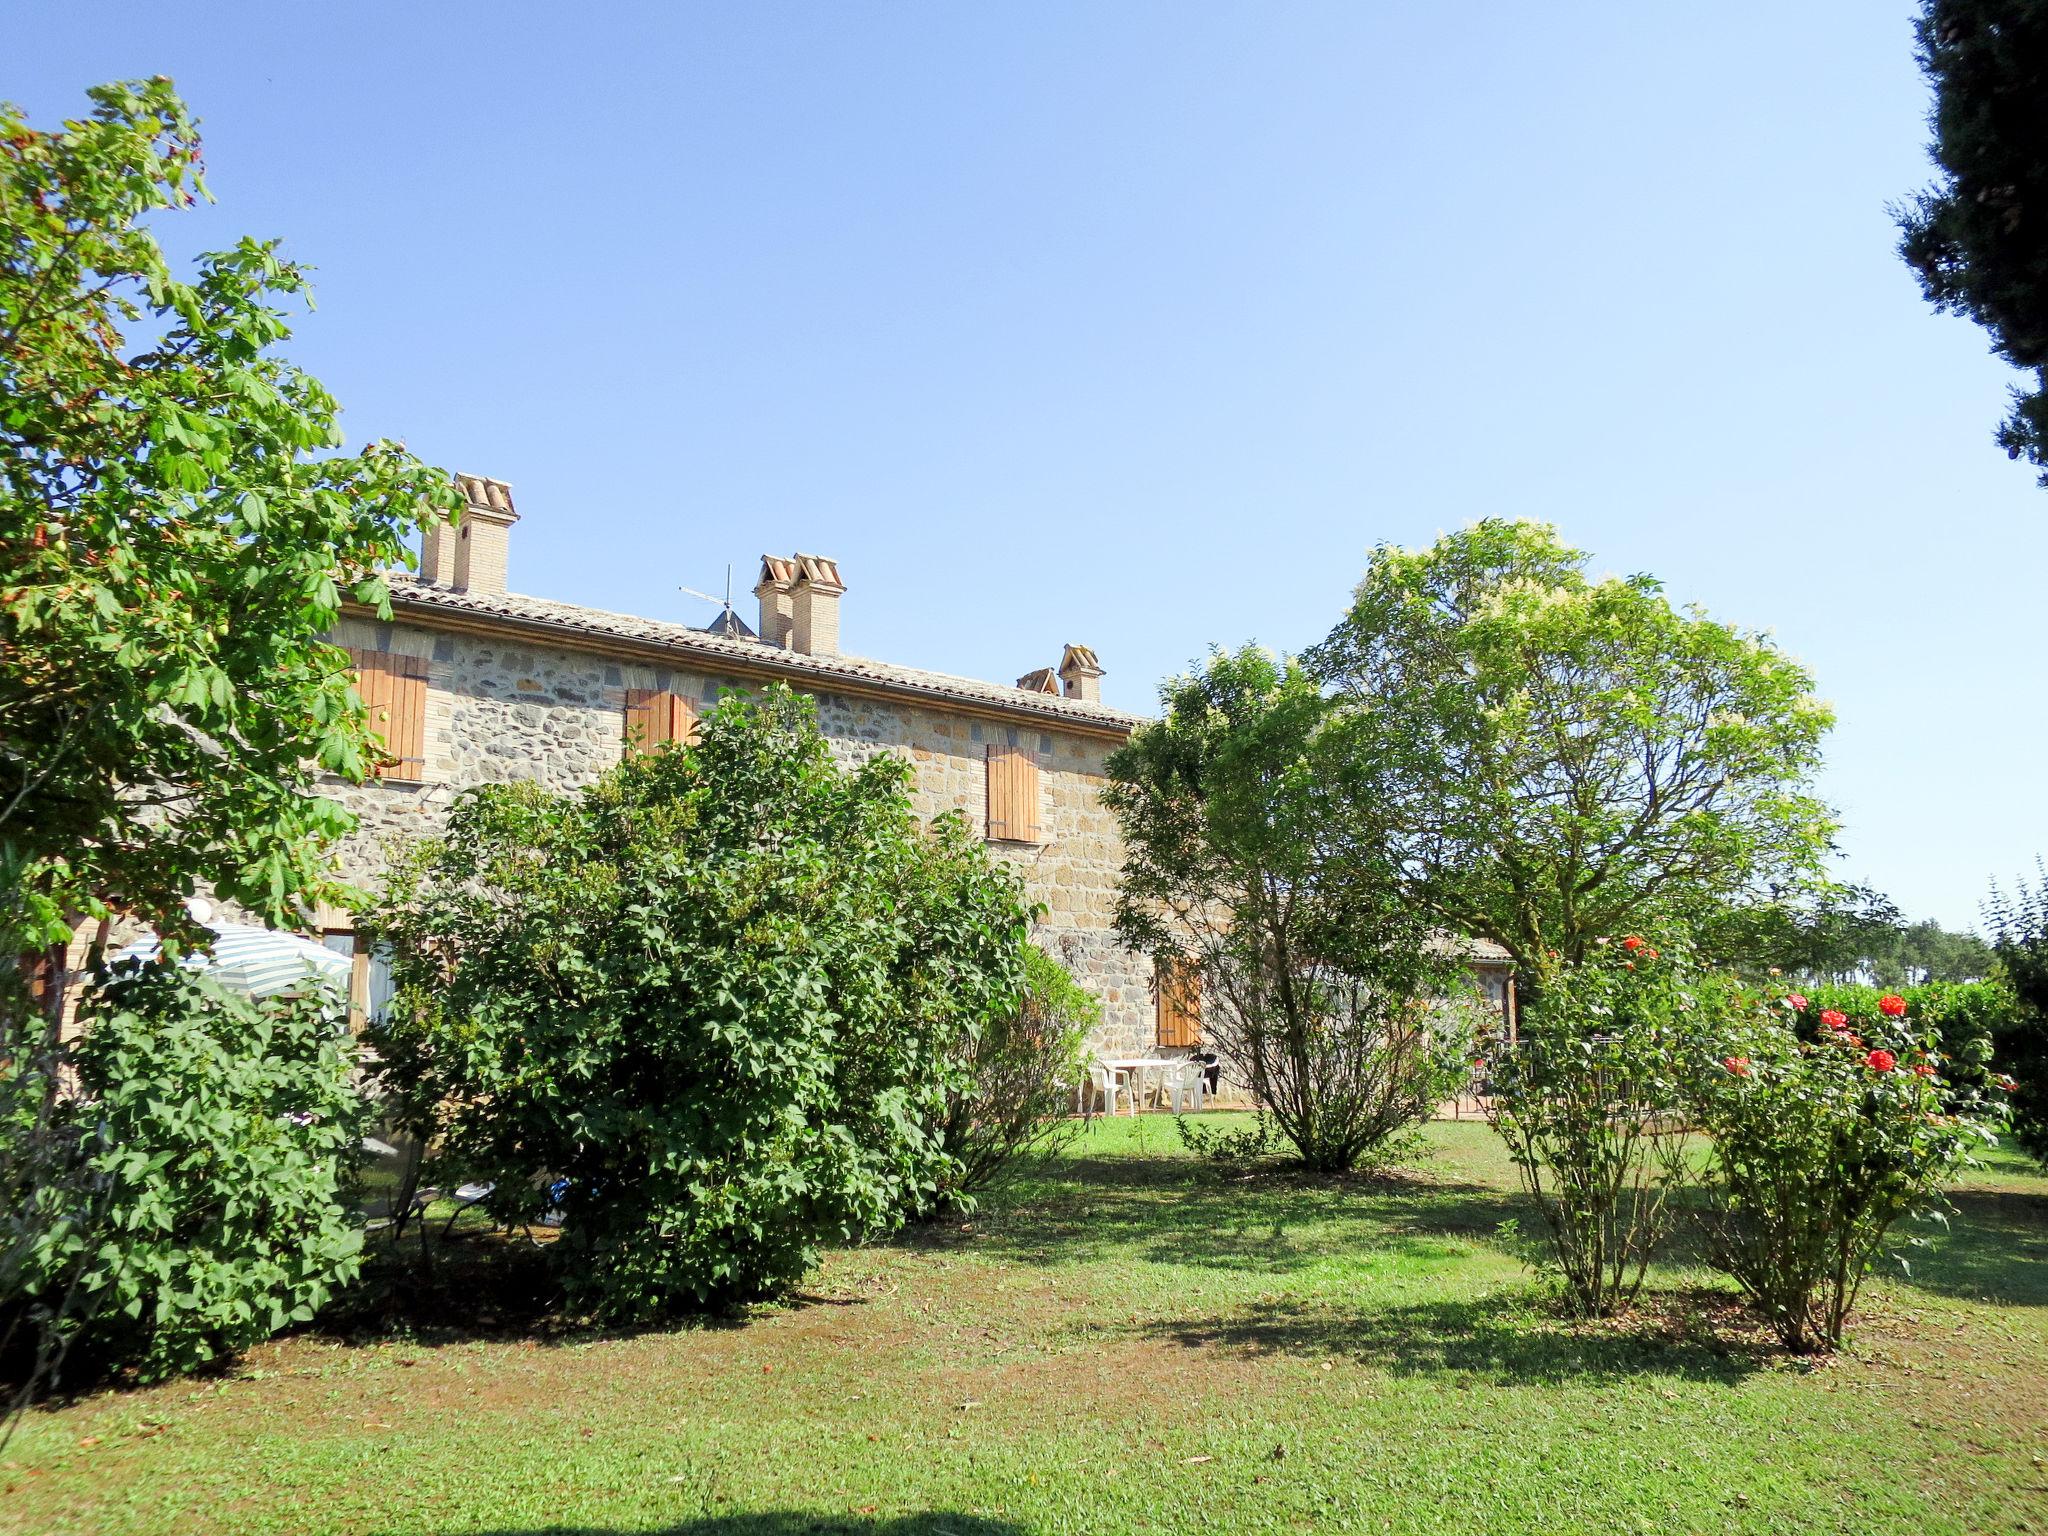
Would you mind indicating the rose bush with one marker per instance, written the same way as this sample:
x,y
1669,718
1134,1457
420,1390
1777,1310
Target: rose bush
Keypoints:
x,y
1820,1144
1591,1106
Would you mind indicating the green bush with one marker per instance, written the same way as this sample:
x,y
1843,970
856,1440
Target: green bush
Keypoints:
x,y
1589,1104
717,998
215,1134
1015,1079
1820,1146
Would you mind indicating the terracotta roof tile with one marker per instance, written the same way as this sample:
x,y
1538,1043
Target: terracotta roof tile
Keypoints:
x,y
419,598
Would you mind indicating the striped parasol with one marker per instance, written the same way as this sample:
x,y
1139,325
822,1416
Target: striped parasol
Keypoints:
x,y
259,961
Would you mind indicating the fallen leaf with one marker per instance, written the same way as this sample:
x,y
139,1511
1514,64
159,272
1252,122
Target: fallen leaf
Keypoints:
x,y
1195,1461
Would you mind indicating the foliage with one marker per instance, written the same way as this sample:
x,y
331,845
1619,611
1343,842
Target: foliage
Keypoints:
x,y
720,994
1965,1019
215,1133
1820,1147
1589,1105
2019,1049
176,536
1559,758
1846,934
1251,854
1232,1145
1977,238
1007,1102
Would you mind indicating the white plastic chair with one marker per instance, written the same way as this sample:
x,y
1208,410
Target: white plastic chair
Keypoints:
x,y
1107,1084
1189,1085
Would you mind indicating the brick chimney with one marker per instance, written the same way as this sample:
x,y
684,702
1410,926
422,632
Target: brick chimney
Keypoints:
x,y
773,590
1042,680
1081,674
471,557
814,593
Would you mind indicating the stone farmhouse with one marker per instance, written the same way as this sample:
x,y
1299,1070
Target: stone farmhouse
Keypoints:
x,y
471,683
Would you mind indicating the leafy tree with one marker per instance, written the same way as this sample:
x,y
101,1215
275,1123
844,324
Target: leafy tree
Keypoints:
x,y
176,536
1251,854
2019,1048
710,1005
1978,238
1559,759
1007,1104
1845,934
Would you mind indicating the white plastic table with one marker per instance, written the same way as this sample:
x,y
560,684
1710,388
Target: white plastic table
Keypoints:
x,y
1138,1066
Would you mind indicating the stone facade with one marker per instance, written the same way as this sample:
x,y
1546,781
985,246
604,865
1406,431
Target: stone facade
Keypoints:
x,y
506,705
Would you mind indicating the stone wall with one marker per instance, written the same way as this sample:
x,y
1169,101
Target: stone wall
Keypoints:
x,y
502,709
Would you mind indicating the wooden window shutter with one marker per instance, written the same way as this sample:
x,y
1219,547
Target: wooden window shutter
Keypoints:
x,y
655,717
393,689
1177,987
1012,795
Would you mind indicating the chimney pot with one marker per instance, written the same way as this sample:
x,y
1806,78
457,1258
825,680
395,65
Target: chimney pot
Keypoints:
x,y
814,593
473,555
1081,674
773,591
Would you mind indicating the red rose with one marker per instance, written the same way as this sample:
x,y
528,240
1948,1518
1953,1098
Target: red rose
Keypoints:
x,y
1880,1061
1650,954
1926,1069
1739,1065
1796,1001
1834,1018
1892,1006
1631,943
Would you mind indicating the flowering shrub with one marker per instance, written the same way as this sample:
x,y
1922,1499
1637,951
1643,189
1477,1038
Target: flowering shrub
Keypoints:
x,y
1590,1105
1820,1146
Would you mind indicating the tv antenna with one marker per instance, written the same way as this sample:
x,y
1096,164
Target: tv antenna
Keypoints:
x,y
711,598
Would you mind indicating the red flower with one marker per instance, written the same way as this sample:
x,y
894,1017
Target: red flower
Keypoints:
x,y
1631,943
1650,954
1892,1006
1834,1018
1880,1061
1926,1069
1796,1001
1739,1065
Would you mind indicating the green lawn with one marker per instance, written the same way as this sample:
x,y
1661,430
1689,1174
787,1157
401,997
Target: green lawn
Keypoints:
x,y
1132,1342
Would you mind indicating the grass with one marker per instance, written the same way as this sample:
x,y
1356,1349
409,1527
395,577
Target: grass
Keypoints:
x,y
1131,1341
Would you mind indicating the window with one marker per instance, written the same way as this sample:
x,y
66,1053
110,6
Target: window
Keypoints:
x,y
393,689
655,717
1012,796
1177,989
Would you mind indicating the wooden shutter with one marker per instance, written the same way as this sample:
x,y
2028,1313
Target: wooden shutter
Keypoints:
x,y
655,717
1012,795
394,691
1177,988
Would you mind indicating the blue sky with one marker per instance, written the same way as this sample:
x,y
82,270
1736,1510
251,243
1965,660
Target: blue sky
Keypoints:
x,y
1138,324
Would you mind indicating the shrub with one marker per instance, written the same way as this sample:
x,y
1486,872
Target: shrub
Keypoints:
x,y
1007,1104
1589,1105
2019,922
215,1133
719,995
1819,1147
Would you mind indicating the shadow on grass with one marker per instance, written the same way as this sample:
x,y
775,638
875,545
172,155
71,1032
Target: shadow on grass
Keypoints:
x,y
1270,1221
1512,1339
784,1523
1994,1249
